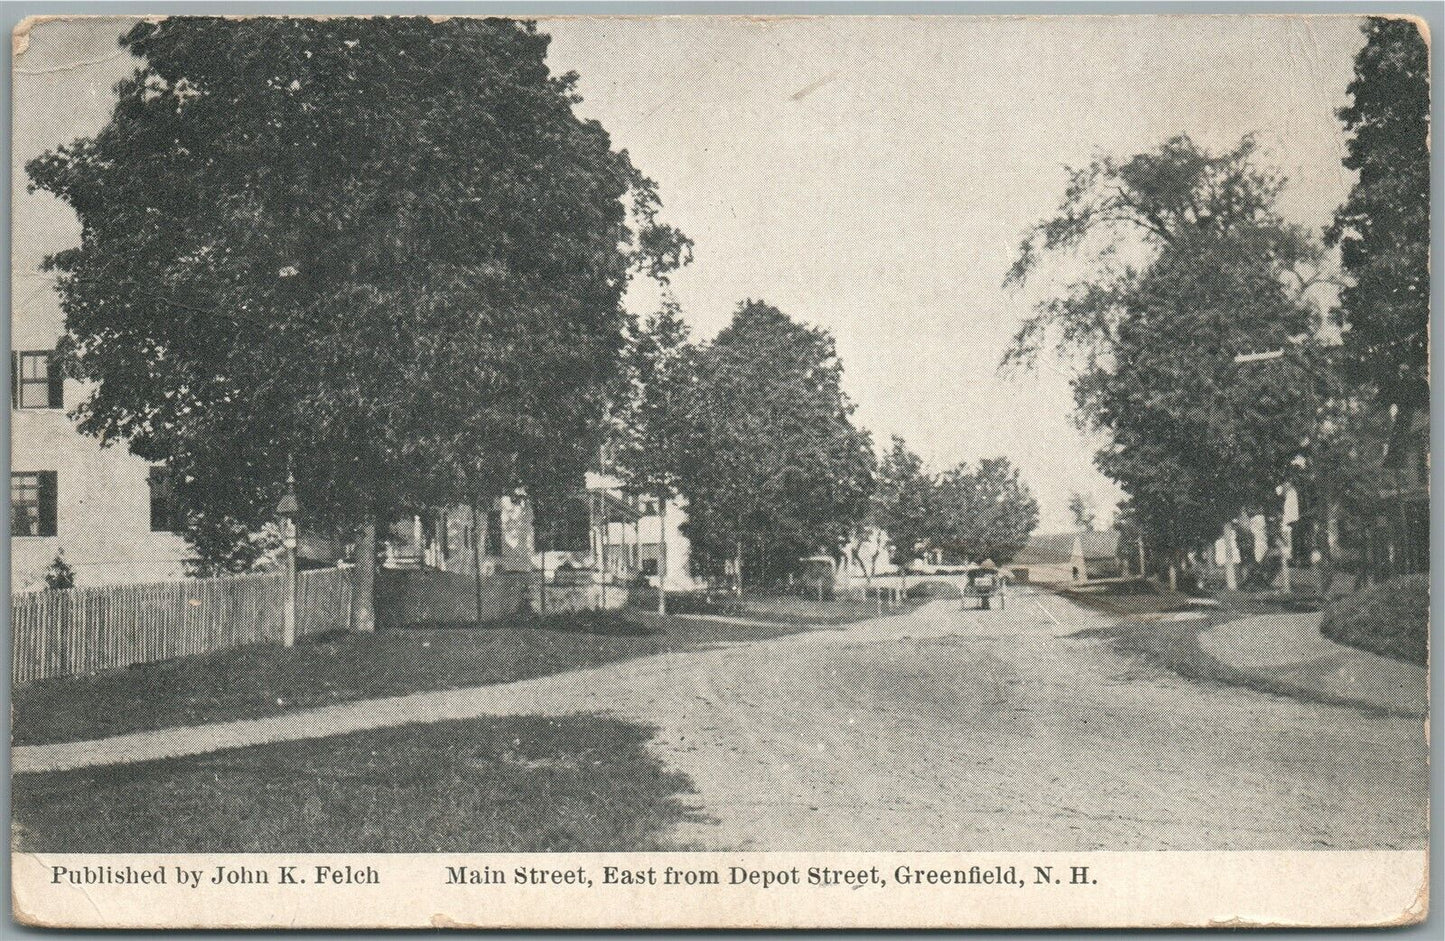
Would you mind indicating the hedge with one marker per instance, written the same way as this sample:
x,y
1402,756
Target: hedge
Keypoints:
x,y
1391,619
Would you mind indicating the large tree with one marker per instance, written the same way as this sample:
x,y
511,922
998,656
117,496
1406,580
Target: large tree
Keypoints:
x,y
982,513
1187,267
775,469
384,252
1383,228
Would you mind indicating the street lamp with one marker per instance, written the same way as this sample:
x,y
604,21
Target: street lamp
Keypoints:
x,y
288,509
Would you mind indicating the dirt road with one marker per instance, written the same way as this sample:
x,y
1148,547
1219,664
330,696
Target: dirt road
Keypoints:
x,y
940,730
966,730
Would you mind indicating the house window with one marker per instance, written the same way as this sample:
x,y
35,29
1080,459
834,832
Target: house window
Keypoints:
x,y
494,532
35,382
564,527
32,503
166,514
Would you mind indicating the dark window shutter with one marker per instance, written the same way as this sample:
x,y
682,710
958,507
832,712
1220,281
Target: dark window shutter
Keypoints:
x,y
56,377
157,481
14,380
48,490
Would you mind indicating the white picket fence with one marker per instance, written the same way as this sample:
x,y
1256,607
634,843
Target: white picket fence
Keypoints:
x,y
75,631
81,630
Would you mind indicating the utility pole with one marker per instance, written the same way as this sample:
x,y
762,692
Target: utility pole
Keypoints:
x,y
479,542
603,540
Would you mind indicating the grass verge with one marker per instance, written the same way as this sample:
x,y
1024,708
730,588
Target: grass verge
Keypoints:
x,y
517,784
1175,644
1391,619
266,680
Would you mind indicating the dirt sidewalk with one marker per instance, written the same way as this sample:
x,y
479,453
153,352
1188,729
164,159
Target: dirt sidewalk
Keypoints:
x,y
1287,651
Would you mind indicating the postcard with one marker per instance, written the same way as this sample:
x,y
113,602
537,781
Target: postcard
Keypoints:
x,y
720,472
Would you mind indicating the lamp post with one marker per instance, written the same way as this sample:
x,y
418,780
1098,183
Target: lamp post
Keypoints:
x,y
288,509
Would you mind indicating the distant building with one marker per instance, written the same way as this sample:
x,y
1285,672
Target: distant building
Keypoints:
x,y
627,536
1068,557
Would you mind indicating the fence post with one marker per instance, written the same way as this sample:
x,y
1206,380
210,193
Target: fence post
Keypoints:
x,y
288,599
63,624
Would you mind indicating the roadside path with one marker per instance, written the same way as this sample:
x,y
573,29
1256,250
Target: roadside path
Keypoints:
x,y
1288,651
525,696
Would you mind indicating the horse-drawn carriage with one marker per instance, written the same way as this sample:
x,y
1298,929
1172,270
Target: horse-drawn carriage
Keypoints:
x,y
983,584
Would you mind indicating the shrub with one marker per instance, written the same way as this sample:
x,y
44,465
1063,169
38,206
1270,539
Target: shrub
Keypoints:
x,y
59,575
1391,619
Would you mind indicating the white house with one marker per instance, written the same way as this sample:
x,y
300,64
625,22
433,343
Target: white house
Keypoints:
x,y
106,512
447,539
629,533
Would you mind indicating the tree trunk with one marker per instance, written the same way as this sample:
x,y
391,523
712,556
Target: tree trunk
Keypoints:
x,y
1367,557
363,608
1285,546
738,568
479,539
662,555
1324,548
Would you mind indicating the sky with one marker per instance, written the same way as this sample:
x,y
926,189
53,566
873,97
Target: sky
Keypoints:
x,y
869,175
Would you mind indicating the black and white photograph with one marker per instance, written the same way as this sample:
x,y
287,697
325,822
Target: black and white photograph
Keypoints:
x,y
712,471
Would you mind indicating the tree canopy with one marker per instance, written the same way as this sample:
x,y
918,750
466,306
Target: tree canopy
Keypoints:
x,y
386,252
775,469
1081,508
903,503
982,513
652,422
1383,228
1213,272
